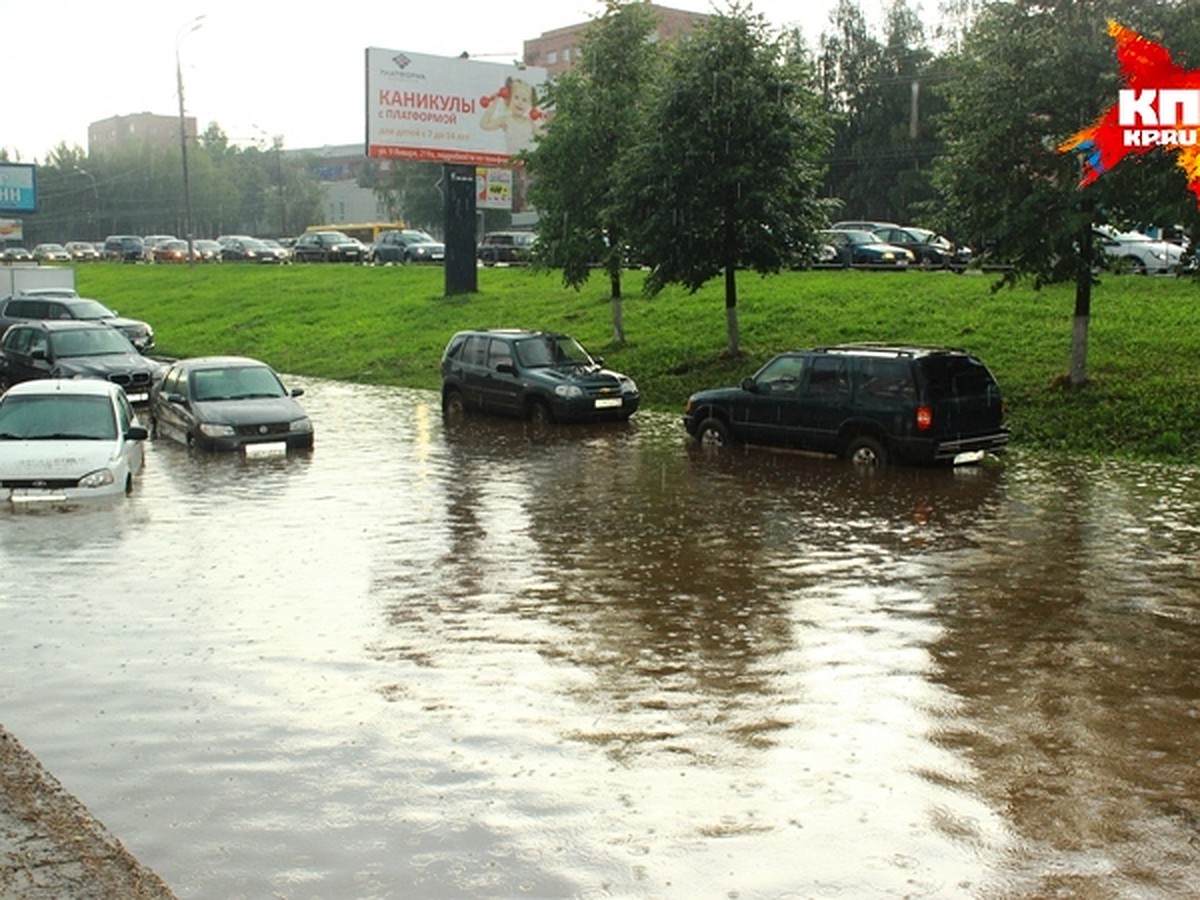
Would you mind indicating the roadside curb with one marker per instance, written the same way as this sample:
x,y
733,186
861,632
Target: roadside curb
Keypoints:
x,y
52,847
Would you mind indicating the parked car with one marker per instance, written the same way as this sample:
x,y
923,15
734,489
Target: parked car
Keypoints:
x,y
16,255
928,248
229,403
74,349
282,254
124,247
512,247
1137,253
172,251
862,248
151,241
64,303
63,440
327,246
206,251
868,403
239,249
407,245
82,251
51,253
537,375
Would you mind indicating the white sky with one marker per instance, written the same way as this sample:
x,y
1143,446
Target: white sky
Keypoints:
x,y
263,68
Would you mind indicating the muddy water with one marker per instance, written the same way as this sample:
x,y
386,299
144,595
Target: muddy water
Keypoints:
x,y
479,662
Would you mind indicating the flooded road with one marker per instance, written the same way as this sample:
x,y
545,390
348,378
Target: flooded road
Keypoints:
x,y
480,662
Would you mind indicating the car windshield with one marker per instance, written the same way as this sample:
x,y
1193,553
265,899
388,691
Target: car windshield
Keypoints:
x,y
551,350
57,417
89,342
90,309
235,383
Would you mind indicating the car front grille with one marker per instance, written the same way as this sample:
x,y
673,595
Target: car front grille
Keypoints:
x,y
41,484
262,430
129,380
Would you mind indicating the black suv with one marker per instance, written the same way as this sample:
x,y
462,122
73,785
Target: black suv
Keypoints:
x,y
537,375
73,349
326,246
868,403
43,306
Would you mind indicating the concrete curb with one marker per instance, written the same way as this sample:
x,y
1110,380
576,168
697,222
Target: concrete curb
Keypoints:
x,y
52,847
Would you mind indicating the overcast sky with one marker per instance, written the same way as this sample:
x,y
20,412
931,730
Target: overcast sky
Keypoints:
x,y
262,68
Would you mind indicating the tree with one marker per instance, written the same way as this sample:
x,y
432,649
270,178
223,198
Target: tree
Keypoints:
x,y
1029,75
409,191
726,170
573,168
884,136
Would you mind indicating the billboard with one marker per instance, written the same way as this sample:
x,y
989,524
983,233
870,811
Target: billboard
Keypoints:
x,y
18,187
493,188
450,110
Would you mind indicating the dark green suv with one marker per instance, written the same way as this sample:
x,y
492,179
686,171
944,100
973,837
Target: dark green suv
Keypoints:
x,y
869,403
538,375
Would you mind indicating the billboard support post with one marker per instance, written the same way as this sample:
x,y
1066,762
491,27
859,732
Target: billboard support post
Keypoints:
x,y
461,275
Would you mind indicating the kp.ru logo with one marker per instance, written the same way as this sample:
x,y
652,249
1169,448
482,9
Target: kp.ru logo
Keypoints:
x,y
1160,108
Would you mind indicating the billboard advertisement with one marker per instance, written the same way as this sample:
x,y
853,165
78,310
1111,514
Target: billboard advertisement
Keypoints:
x,y
493,188
450,110
18,187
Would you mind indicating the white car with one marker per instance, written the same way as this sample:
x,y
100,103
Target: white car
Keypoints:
x,y
1132,251
67,440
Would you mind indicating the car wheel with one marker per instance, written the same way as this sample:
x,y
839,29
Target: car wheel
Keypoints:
x,y
452,405
712,432
539,413
866,451
1131,265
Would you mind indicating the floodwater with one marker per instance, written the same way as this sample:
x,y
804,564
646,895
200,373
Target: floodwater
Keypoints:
x,y
431,662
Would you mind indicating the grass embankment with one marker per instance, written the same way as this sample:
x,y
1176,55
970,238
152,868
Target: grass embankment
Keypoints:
x,y
388,325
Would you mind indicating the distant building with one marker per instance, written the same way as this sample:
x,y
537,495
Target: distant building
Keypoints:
x,y
557,50
137,131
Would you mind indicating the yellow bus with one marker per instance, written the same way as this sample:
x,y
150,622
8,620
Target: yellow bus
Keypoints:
x,y
367,232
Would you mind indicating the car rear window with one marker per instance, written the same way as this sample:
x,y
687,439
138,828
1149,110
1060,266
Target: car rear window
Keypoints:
x,y
955,376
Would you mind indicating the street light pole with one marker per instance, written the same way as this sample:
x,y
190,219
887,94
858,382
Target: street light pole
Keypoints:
x,y
95,212
183,137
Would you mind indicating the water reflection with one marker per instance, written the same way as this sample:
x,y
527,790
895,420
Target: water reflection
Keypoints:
x,y
493,661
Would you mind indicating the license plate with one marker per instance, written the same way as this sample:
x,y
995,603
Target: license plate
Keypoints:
x,y
608,403
273,448
22,496
137,398
970,456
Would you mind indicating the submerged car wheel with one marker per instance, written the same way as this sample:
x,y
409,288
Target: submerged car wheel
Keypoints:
x,y
866,451
539,413
712,433
452,405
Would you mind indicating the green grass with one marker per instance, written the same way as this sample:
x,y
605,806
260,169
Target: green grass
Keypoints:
x,y
388,325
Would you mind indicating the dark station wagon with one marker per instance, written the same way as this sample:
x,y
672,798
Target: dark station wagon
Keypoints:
x,y
869,403
537,375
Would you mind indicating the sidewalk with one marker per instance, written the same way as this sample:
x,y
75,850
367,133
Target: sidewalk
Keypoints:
x,y
52,847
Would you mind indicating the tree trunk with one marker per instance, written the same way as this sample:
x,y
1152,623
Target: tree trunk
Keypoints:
x,y
731,322
618,313
1077,374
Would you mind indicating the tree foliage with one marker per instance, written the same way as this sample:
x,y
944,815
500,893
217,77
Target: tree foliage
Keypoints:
x,y
573,168
726,169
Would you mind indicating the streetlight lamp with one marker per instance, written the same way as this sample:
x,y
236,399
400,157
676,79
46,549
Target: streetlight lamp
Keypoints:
x,y
183,137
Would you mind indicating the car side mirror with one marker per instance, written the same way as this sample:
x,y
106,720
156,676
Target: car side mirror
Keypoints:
x,y
297,392
136,433
749,385
177,398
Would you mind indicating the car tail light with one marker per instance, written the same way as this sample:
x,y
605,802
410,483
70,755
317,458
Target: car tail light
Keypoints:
x,y
924,418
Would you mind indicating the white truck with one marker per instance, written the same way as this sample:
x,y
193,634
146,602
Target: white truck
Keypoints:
x,y
22,279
